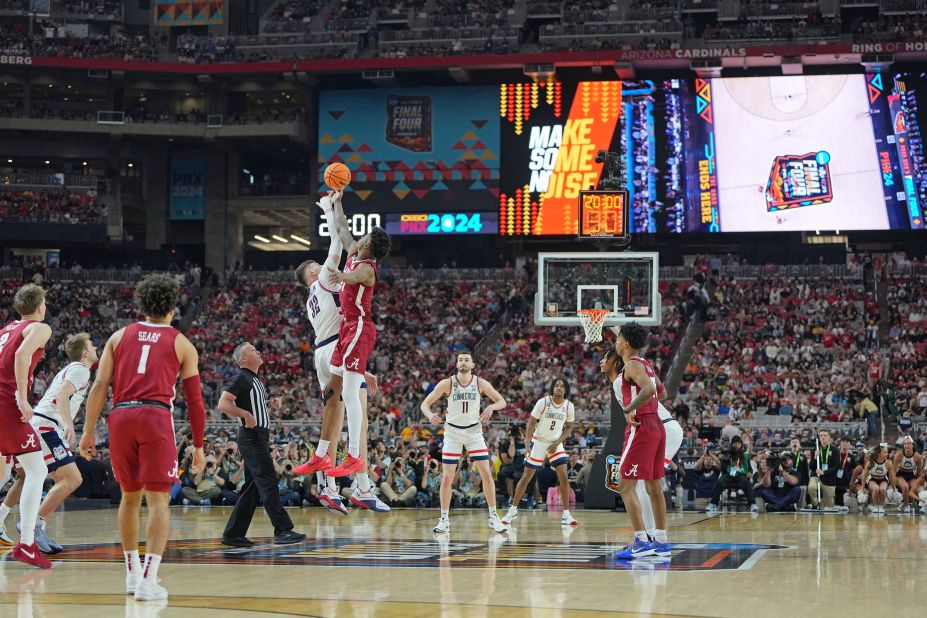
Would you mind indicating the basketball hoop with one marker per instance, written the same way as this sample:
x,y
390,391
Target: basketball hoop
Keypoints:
x,y
592,321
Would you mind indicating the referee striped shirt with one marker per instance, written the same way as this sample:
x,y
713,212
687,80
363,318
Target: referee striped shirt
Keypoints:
x,y
250,395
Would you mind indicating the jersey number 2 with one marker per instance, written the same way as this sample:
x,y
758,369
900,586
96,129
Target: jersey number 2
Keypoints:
x,y
143,361
553,424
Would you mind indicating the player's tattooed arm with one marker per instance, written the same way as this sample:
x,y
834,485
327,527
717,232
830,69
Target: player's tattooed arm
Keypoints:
x,y
442,389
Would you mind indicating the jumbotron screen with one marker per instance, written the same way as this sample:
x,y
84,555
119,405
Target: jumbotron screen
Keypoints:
x,y
785,153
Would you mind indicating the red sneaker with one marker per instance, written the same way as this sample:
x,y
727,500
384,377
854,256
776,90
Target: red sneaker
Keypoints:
x,y
348,466
314,465
30,554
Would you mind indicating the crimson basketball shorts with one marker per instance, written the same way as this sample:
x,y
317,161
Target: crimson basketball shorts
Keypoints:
x,y
142,448
16,437
355,343
644,449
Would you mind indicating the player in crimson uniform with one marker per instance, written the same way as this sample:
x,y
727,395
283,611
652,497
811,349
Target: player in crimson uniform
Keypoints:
x,y
143,361
644,443
358,332
22,345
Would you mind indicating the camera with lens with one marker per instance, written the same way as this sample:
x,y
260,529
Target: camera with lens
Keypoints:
x,y
289,467
773,463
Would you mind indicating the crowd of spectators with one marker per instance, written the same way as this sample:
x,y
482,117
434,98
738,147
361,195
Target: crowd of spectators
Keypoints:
x,y
51,207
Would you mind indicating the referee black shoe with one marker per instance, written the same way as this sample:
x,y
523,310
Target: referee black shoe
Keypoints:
x,y
289,537
237,541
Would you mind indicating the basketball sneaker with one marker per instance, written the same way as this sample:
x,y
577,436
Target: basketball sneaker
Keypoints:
x,y
496,524
149,590
567,520
316,464
662,550
368,500
444,525
348,466
30,554
510,515
332,502
637,549
41,539
5,540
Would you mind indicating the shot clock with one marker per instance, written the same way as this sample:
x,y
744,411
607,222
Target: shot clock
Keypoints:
x,y
603,214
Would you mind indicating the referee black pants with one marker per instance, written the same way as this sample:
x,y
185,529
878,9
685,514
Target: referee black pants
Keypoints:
x,y
260,481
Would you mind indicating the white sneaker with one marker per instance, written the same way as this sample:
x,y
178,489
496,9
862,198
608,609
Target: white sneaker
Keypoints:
x,y
444,525
148,590
496,524
711,508
5,540
567,520
131,582
510,515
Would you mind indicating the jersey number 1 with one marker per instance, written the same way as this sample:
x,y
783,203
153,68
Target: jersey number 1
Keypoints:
x,y
143,361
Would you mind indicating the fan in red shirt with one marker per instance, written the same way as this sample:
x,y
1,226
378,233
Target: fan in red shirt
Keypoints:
x,y
22,345
143,361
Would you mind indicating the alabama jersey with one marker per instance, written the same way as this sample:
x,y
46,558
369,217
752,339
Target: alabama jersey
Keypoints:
x,y
324,310
463,404
551,418
629,390
47,409
145,364
11,337
356,299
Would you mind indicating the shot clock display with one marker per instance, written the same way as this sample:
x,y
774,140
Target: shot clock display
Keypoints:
x,y
426,223
603,214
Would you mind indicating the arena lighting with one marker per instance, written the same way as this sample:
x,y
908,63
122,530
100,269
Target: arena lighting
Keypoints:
x,y
301,239
131,165
280,238
261,238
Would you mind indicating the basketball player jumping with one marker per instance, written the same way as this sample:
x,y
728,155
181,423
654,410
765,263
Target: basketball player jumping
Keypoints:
x,y
644,444
143,361
463,429
22,345
611,366
323,309
357,334
550,424
54,421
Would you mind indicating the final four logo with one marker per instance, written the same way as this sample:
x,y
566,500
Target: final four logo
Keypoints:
x,y
799,180
613,473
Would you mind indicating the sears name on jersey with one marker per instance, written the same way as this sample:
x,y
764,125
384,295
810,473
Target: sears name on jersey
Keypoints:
x,y
148,336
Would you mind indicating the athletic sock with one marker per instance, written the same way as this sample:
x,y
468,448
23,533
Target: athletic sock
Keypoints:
x,y
444,514
652,533
566,513
363,481
133,563
152,562
331,483
322,450
641,535
660,536
4,511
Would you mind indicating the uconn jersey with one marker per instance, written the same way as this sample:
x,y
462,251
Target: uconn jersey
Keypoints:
x,y
324,310
463,404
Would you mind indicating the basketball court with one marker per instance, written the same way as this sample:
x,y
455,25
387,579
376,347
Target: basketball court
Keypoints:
x,y
391,565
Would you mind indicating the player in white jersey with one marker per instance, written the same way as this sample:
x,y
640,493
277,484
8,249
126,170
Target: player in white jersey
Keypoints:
x,y
463,429
550,424
323,307
53,420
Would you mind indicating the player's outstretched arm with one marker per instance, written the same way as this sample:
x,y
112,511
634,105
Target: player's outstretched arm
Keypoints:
x,y
335,246
442,389
97,395
340,224
498,402
193,390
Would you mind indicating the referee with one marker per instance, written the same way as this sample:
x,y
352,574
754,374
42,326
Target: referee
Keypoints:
x,y
244,397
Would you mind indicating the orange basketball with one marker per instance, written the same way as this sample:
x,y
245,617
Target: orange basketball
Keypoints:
x,y
337,176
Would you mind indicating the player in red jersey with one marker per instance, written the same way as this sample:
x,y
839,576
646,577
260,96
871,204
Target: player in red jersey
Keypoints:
x,y
22,345
143,361
644,443
358,332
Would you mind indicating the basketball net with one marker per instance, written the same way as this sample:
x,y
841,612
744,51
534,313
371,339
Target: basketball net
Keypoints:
x,y
592,321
